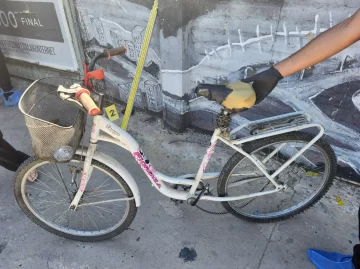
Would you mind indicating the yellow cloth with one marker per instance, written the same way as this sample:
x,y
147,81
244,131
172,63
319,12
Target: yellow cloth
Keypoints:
x,y
242,96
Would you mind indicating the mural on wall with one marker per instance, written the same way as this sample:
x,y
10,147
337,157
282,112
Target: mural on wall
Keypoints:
x,y
223,45
99,33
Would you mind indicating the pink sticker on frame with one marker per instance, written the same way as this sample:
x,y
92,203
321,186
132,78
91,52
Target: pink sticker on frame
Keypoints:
x,y
146,166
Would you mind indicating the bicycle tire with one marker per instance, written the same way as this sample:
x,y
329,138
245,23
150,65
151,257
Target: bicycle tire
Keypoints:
x,y
28,166
258,144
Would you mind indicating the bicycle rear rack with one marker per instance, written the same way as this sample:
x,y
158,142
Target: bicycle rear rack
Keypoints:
x,y
274,123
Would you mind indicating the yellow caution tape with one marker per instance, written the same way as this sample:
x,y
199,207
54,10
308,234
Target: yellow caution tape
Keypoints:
x,y
140,64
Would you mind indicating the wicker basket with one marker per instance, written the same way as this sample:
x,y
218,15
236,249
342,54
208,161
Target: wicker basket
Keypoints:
x,y
52,123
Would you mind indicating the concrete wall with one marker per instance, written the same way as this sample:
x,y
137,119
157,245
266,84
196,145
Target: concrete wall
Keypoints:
x,y
214,41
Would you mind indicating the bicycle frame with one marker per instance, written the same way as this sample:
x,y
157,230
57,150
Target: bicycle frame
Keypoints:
x,y
114,134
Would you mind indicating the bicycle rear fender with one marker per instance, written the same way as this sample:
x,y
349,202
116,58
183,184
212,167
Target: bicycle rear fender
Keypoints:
x,y
118,168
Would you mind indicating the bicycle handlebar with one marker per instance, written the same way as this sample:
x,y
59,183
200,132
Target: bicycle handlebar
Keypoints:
x,y
114,52
83,96
106,54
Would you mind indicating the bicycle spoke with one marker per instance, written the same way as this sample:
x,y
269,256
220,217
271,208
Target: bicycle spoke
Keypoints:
x,y
51,192
46,201
32,187
100,209
98,187
51,206
92,220
59,214
56,173
83,221
100,215
62,179
52,178
94,180
55,170
40,182
303,178
106,201
101,195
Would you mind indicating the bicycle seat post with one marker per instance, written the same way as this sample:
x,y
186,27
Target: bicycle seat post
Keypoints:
x,y
222,122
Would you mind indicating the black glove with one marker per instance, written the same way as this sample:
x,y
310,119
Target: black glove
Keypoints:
x,y
264,82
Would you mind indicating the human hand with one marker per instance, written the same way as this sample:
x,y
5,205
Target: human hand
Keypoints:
x,y
264,82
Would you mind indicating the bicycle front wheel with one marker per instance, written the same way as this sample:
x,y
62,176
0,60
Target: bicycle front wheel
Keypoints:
x,y
307,179
105,210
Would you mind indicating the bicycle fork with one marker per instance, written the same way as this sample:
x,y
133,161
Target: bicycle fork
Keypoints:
x,y
87,170
86,174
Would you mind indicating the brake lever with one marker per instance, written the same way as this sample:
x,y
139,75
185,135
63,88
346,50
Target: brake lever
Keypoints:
x,y
71,101
66,95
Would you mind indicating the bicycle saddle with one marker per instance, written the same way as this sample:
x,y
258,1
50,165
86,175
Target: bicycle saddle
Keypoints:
x,y
237,96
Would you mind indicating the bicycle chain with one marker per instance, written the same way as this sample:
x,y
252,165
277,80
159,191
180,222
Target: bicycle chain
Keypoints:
x,y
221,213
210,212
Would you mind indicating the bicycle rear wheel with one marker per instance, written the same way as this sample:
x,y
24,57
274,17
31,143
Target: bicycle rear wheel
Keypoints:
x,y
106,209
308,178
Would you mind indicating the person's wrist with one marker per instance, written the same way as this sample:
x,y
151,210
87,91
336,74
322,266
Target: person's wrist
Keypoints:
x,y
277,72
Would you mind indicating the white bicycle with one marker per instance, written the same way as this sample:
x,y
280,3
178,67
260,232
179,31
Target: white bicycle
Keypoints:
x,y
82,194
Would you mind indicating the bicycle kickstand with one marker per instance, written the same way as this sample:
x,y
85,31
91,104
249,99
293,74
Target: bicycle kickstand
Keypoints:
x,y
193,201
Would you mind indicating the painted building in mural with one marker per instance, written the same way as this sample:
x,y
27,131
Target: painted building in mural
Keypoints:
x,y
223,41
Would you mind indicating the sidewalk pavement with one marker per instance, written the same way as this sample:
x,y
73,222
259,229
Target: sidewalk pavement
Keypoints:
x,y
163,230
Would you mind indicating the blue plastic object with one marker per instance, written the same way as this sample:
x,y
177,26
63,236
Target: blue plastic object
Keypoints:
x,y
329,260
13,100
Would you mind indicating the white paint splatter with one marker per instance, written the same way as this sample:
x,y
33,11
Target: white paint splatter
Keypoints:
x,y
356,99
117,25
253,40
119,4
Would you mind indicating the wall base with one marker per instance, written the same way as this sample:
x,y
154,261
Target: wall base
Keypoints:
x,y
33,71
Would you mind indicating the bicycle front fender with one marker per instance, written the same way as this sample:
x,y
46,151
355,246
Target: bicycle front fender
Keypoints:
x,y
118,168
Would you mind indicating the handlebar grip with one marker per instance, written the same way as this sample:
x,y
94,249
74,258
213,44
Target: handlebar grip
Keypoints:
x,y
114,52
83,96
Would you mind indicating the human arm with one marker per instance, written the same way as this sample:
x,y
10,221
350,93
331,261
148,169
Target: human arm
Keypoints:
x,y
320,48
323,46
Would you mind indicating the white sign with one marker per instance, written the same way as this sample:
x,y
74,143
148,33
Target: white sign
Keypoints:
x,y
36,31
